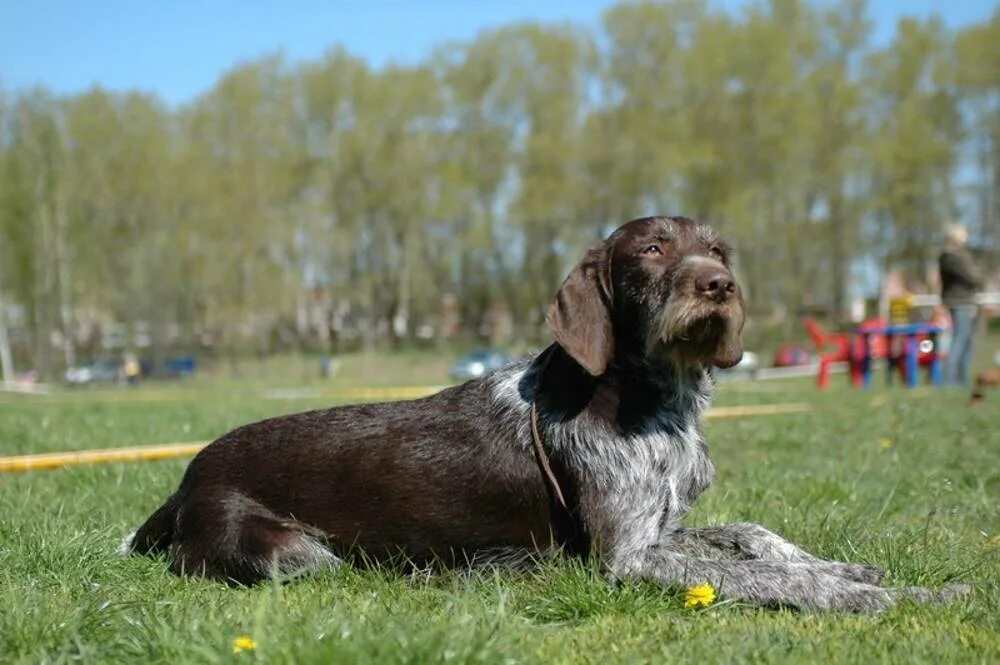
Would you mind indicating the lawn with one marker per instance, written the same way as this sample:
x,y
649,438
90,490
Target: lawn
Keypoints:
x,y
908,480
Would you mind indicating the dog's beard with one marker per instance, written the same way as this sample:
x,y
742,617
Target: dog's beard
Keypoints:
x,y
697,331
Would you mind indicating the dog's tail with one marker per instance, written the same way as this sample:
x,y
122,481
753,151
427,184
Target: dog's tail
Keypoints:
x,y
156,534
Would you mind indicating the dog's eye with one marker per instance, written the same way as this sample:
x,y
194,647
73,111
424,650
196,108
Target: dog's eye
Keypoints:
x,y
653,250
717,253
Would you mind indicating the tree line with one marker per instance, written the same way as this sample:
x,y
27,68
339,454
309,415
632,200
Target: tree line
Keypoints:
x,y
329,204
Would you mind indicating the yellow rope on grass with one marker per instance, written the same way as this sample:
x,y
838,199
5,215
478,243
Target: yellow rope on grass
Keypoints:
x,y
757,410
18,463
103,456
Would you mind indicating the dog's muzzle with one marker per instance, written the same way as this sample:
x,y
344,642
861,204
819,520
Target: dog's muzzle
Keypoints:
x,y
704,316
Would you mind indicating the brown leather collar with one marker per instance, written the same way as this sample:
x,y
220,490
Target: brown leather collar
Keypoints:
x,y
543,459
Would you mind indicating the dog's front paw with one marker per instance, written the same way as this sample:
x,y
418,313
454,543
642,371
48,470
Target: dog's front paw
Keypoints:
x,y
856,572
863,572
857,598
954,592
946,594
828,592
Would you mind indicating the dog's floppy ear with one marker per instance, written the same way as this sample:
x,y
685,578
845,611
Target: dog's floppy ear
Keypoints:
x,y
580,315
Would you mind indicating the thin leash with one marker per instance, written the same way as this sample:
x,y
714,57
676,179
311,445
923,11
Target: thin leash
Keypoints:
x,y
543,459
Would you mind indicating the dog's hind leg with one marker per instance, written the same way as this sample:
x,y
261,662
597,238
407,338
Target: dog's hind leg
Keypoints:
x,y
229,536
156,533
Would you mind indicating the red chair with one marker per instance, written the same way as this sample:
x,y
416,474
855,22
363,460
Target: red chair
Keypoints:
x,y
844,347
832,348
837,347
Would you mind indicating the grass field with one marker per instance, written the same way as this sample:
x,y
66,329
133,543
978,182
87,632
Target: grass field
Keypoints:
x,y
907,480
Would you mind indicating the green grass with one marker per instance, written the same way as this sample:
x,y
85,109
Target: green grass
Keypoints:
x,y
906,480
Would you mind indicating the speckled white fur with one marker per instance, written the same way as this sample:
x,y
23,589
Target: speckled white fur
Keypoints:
x,y
635,489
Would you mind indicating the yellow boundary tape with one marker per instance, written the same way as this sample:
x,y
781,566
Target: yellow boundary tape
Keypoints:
x,y
141,395
138,453
757,410
384,393
19,463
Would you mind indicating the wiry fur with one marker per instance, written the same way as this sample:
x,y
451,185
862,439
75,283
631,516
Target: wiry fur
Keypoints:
x,y
453,477
637,488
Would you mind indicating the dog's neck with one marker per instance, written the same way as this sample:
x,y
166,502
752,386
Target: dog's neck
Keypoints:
x,y
660,391
644,392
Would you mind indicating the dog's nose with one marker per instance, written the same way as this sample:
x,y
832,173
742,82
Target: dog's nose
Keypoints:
x,y
715,284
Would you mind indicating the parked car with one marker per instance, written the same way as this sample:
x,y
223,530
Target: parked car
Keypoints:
x,y
479,363
109,370
178,366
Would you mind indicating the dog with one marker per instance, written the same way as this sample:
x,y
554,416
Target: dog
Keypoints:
x,y
989,378
593,448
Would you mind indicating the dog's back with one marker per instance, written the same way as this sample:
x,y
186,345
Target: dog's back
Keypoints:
x,y
387,479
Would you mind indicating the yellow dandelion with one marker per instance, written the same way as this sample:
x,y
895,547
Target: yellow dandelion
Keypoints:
x,y
244,643
885,442
702,595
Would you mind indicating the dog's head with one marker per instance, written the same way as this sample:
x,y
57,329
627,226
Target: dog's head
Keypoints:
x,y
658,287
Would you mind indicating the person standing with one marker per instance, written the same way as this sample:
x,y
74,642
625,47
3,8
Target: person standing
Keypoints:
x,y
131,368
960,279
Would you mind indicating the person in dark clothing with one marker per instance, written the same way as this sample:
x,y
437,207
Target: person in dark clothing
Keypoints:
x,y
960,280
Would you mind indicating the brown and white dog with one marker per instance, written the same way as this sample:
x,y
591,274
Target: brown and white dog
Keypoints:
x,y
464,475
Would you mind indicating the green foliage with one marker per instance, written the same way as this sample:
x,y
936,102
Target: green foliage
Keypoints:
x,y
328,204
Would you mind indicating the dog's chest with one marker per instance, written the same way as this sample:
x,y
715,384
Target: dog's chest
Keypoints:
x,y
651,477
672,466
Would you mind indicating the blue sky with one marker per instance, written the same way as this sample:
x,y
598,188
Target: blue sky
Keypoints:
x,y
178,49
